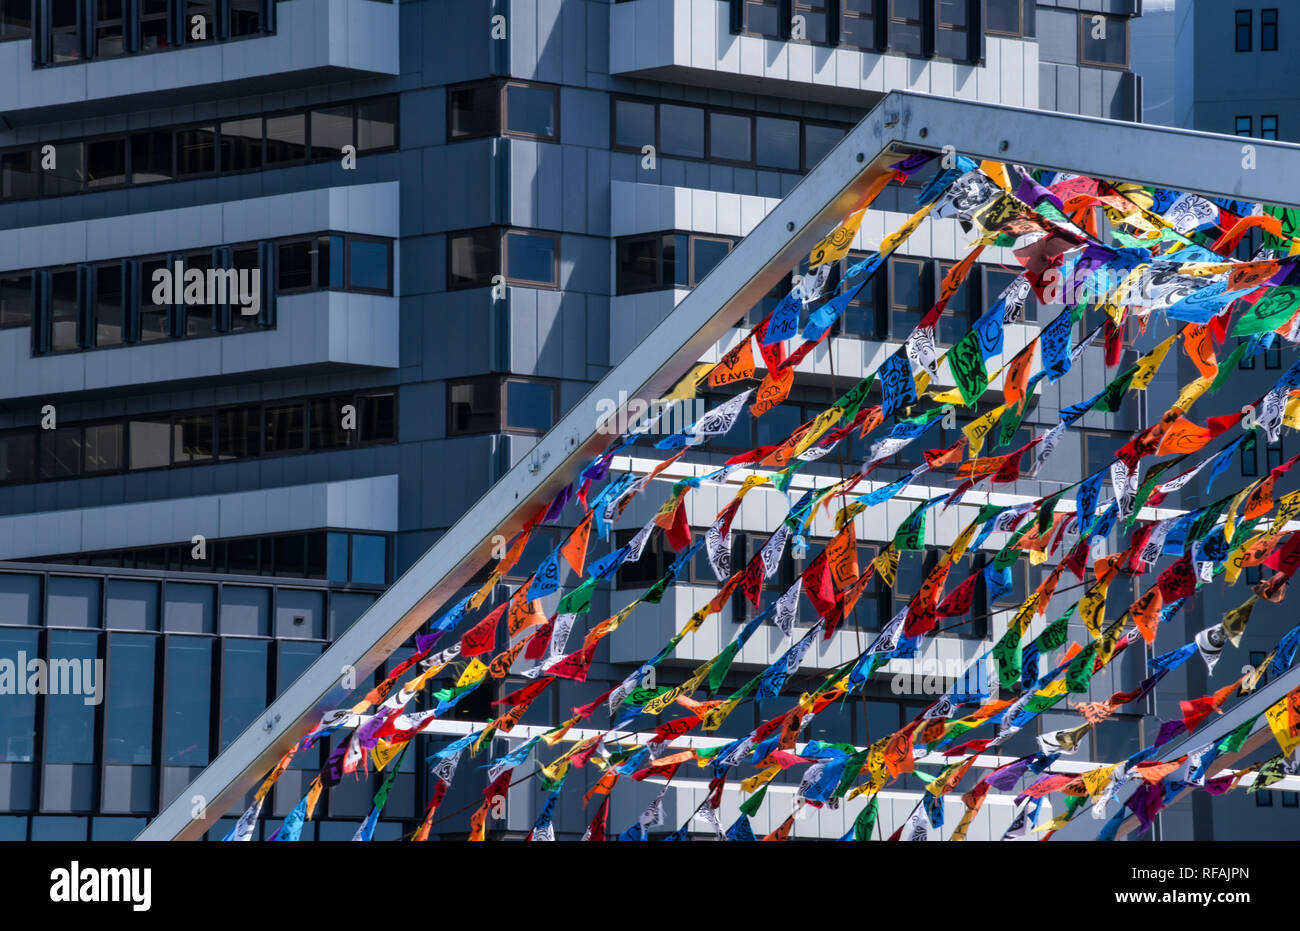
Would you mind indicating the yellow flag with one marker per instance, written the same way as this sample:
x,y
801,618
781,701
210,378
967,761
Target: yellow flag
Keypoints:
x,y
383,752
981,427
1234,622
887,563
714,717
836,244
473,673
952,396
1191,391
899,236
313,795
1288,506
753,783
959,545
1092,607
684,390
1285,726
1096,780
1150,363
1291,416
823,422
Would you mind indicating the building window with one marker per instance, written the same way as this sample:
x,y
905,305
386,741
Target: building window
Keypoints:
x,y
908,297
1273,356
660,261
1099,449
858,20
997,281
776,143
491,404
761,18
956,317
108,304
64,311
1268,126
531,258
1268,30
15,19
1273,454
198,21
1243,22
1250,458
64,36
153,25
815,21
245,18
1290,800
731,137
1264,798
952,33
15,300
905,27
1103,43
1244,126
1004,18
509,108
202,436
109,35
250,143
818,139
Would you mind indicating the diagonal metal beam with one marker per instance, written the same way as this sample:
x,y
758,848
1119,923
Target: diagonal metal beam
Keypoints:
x,y
901,122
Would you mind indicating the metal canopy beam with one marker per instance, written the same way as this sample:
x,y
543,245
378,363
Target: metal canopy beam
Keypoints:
x,y
902,121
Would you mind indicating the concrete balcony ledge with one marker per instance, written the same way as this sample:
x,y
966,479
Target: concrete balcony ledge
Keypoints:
x,y
690,42
357,504
320,331
315,42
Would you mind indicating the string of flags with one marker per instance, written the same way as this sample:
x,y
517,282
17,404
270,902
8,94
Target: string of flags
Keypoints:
x,y
1165,260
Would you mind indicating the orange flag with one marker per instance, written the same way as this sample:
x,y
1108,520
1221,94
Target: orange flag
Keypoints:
x,y
736,365
1183,436
783,832
772,391
1200,349
842,554
1146,612
575,548
523,613
1017,379
478,823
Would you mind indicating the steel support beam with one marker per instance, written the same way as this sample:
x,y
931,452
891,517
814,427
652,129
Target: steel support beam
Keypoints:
x,y
1180,159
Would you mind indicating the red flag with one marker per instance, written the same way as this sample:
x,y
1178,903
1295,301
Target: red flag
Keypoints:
x,y
679,534
1286,557
597,828
482,637
818,584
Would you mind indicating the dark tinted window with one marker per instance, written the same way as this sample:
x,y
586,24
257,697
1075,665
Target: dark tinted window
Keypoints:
x,y
377,124
60,453
241,144
295,265
18,175
108,304
15,299
331,130
777,143
327,422
681,131
192,438
196,151
634,123
103,448
530,258
239,430
531,110
473,111
284,428
63,310
151,156
817,141
286,138
474,258
729,137
106,162
473,406
199,318
529,405
378,417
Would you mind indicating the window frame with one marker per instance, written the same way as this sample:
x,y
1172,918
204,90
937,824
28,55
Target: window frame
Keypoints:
x,y
1238,25
1020,21
1264,23
1085,23
1264,130
502,114
502,258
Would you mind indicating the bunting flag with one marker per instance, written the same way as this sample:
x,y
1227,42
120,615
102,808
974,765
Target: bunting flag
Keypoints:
x,y
1162,263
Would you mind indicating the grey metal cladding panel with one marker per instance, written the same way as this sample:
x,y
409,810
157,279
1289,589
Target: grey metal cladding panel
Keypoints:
x,y
457,40
1047,95
458,333
549,191
1067,88
1090,97
465,183
598,184
584,264
424,117
584,117
574,187
424,265
1058,35
597,40
552,45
